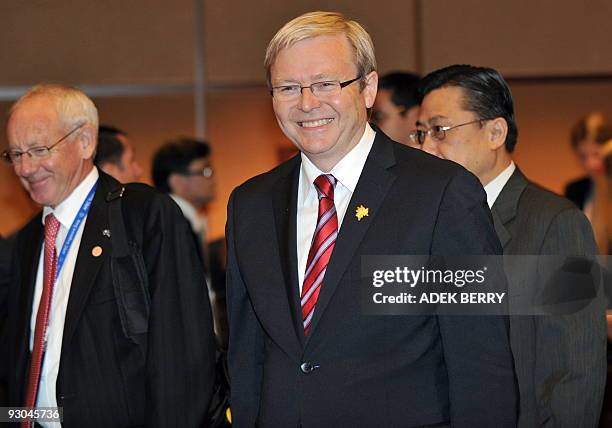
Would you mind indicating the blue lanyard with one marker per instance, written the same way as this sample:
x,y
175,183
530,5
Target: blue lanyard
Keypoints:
x,y
76,223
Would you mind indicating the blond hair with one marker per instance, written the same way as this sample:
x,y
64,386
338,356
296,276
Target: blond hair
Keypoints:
x,y
72,105
319,23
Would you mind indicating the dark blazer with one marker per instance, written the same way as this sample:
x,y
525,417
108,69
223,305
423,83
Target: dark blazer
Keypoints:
x,y
579,190
5,269
560,360
355,370
160,378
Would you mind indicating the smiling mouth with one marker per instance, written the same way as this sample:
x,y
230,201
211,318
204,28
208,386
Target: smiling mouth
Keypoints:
x,y
38,182
315,123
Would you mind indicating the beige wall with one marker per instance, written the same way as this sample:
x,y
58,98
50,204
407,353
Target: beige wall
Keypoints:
x,y
519,37
151,41
238,32
89,41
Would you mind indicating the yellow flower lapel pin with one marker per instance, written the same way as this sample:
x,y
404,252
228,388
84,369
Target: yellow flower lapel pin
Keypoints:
x,y
361,212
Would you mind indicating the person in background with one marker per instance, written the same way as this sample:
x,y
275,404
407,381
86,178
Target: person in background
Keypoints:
x,y
396,107
467,116
587,137
601,217
182,168
115,155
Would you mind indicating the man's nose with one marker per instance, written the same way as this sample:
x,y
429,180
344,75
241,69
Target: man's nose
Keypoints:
x,y
25,166
308,100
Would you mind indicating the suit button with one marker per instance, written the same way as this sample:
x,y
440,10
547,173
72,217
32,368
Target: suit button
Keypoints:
x,y
308,367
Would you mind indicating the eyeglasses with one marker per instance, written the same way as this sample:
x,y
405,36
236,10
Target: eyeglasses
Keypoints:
x,y
204,172
438,132
38,152
326,89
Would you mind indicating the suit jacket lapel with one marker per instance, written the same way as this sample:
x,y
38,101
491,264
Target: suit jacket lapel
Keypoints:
x,y
506,205
502,233
285,217
87,266
374,183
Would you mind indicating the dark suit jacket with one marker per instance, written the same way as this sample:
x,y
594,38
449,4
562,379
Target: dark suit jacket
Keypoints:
x,y
218,260
105,379
5,269
355,370
579,190
560,360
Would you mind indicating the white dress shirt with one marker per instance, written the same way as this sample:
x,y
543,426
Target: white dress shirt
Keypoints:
x,y
199,226
65,212
347,172
495,186
198,222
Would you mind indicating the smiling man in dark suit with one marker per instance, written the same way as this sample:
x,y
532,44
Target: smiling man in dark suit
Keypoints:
x,y
301,351
108,318
467,115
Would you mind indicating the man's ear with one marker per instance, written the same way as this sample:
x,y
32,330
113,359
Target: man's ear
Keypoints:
x,y
370,88
88,139
176,183
497,130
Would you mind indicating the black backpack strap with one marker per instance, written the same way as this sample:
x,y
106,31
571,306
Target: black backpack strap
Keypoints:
x,y
117,226
129,274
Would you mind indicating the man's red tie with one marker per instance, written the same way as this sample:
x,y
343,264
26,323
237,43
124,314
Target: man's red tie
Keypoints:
x,y
52,226
323,242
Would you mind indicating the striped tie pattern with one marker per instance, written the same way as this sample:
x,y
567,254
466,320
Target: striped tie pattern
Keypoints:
x,y
42,316
323,241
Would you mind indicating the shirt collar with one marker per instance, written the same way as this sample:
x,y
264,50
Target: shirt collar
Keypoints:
x,y
67,210
347,171
189,211
496,185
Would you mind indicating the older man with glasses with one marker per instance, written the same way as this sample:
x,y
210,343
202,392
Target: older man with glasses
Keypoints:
x,y
107,317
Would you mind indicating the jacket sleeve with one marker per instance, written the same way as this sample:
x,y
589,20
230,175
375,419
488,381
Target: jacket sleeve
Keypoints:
x,y
571,364
482,385
245,353
5,280
180,357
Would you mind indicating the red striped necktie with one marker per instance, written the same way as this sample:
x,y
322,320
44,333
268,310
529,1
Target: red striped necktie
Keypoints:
x,y
323,241
52,226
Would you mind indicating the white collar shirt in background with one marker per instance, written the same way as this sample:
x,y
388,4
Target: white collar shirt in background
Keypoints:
x,y
199,226
495,186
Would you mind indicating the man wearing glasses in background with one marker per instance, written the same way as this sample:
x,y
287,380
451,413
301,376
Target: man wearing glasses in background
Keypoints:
x,y
301,351
467,115
122,334
182,168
